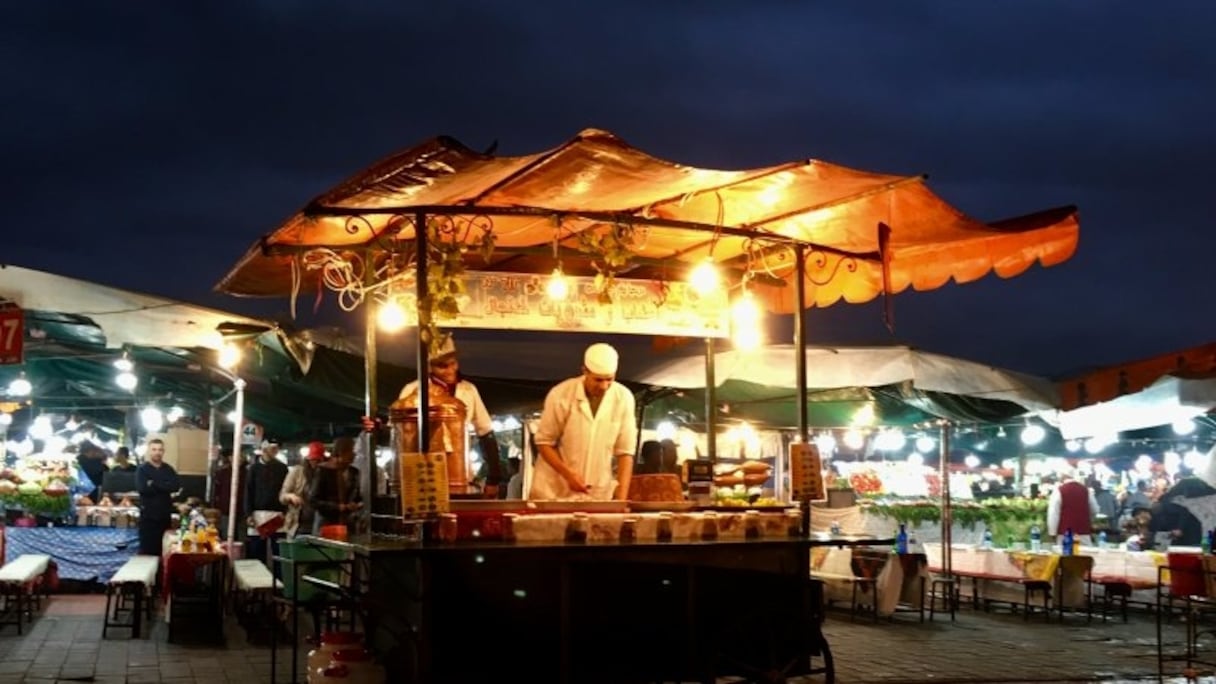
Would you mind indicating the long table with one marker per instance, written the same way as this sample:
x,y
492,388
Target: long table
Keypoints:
x,y
898,578
82,553
594,611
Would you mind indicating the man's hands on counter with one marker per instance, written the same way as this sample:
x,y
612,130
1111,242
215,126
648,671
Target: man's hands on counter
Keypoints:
x,y
576,483
489,491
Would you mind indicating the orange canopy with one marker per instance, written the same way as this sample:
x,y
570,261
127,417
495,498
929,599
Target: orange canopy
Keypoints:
x,y
745,220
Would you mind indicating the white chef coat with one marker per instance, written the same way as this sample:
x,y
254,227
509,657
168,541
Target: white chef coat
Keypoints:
x,y
475,410
587,442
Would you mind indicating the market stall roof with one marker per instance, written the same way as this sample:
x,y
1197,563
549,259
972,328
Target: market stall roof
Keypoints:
x,y
124,317
1140,394
854,224
843,367
1169,399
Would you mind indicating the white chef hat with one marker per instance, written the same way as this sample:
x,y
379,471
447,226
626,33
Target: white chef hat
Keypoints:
x,y
600,359
446,348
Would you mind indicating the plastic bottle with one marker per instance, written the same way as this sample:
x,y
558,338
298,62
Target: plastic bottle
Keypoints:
x,y
1205,545
987,539
1102,539
901,540
1066,544
1036,539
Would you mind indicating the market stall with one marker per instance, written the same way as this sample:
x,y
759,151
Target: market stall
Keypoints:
x,y
468,239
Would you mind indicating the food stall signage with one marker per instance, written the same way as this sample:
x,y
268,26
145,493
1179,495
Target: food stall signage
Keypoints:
x,y
520,301
12,334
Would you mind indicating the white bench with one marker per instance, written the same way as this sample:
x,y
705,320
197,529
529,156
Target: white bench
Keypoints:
x,y
21,580
135,580
253,585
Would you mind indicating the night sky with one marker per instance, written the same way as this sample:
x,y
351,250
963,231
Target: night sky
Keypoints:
x,y
147,145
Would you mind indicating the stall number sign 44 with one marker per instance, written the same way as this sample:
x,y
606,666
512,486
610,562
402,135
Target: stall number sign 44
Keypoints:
x,y
12,335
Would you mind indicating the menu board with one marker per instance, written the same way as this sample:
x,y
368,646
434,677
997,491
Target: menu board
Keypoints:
x,y
806,473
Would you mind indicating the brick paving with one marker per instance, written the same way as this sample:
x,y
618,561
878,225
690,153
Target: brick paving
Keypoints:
x,y
64,645
1001,647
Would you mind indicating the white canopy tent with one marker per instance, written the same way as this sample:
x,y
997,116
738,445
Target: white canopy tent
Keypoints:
x,y
840,367
1170,398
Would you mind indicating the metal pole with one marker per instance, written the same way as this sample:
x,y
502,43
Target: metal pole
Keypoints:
x,y
804,433
367,476
236,459
947,513
424,320
213,443
711,422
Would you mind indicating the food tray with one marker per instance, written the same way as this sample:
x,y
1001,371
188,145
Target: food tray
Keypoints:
x,y
578,506
740,509
651,506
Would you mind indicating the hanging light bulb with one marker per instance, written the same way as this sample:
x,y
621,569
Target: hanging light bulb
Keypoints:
x,y
152,419
971,461
230,356
745,323
231,416
20,386
558,287
175,414
854,439
704,277
6,419
826,443
126,380
391,316
925,444
1033,434
41,428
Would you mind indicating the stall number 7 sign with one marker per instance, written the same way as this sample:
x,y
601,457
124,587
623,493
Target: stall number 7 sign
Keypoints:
x,y
12,335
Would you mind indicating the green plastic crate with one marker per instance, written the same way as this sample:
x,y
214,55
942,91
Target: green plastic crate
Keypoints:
x,y
305,557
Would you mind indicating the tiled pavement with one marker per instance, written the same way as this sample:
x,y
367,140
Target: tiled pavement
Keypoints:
x,y
64,644
1001,647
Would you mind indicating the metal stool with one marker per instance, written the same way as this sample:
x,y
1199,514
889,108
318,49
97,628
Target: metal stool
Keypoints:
x,y
946,587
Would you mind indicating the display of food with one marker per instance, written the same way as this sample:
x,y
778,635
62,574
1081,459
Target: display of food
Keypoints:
x,y
656,487
746,473
40,486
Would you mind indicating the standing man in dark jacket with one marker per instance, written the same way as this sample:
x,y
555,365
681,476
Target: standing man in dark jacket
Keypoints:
x,y
157,482
262,485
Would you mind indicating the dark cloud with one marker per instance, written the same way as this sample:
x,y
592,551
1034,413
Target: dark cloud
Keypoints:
x,y
147,145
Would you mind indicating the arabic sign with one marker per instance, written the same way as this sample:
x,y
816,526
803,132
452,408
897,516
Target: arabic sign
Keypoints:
x,y
12,334
517,301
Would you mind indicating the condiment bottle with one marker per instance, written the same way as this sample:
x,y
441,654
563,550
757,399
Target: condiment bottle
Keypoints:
x,y
664,531
751,525
576,529
629,530
709,526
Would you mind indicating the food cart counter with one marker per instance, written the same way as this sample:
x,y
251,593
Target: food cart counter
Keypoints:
x,y
596,610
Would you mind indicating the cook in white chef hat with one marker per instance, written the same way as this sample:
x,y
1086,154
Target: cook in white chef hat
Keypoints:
x,y
600,359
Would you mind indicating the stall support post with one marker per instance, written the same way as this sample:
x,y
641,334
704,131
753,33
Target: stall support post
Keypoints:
x,y
367,476
213,444
235,489
947,512
424,320
711,418
804,432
